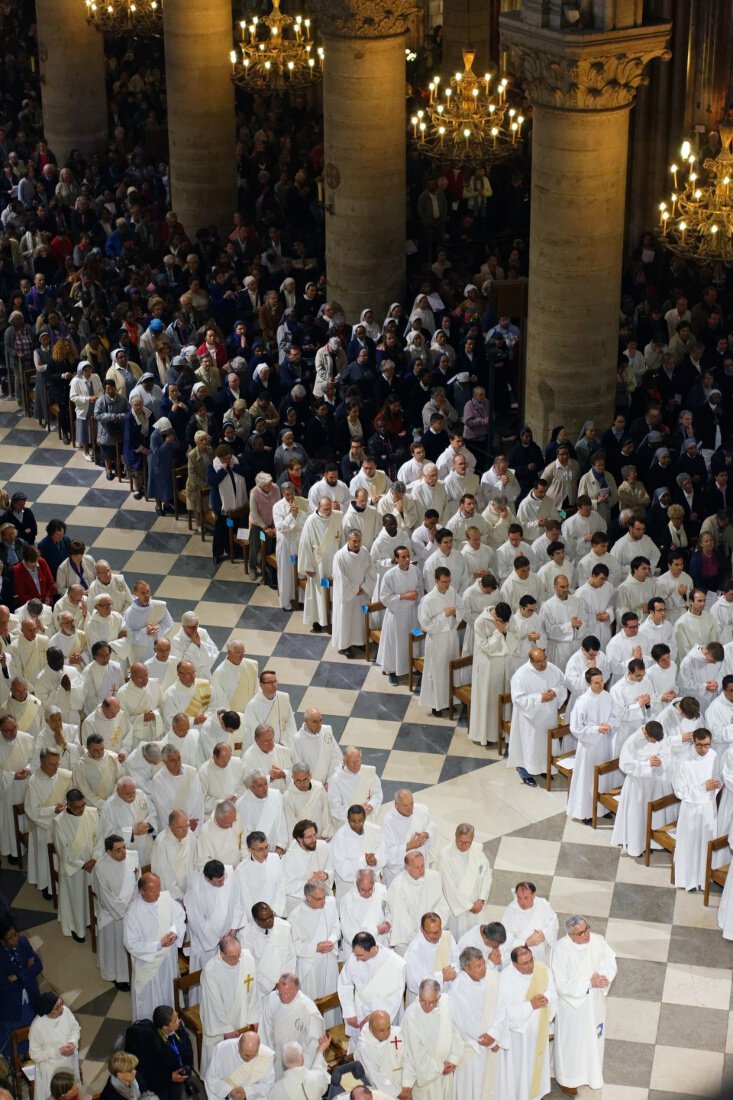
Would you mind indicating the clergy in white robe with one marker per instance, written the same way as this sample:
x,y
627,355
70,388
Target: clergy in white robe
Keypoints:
x,y
306,798
508,551
260,809
96,772
174,855
592,725
520,582
719,715
562,622
53,1042
45,797
220,837
483,593
696,783
583,968
400,591
538,690
315,745
432,953
489,939
176,787
657,629
221,777
112,584
379,1048
527,1005
359,516
725,910
624,647
722,612
529,630
128,811
446,556
268,757
558,566
636,590
354,784
289,1015
240,1068
160,666
680,719
154,927
427,492
269,707
356,844
193,643
697,626
259,877
27,652
364,908
146,619
212,910
75,835
143,764
189,694
270,941
109,720
140,699
530,922
372,978
465,875
17,750
101,677
415,891
105,625
433,1046
321,537
597,604
439,615
701,672
58,685
407,827
354,578
307,859
114,882
632,702
288,516
316,935
299,1081
495,641
228,996
646,764
578,530
474,997
234,681
662,677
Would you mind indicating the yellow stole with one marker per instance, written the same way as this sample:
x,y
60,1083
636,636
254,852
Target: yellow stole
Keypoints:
x,y
539,985
200,699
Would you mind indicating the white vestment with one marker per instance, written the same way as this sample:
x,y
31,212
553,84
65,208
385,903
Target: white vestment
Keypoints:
x,y
408,899
466,879
531,718
424,959
135,702
42,795
260,881
299,1021
214,842
319,541
202,656
15,756
220,784
317,970
593,748
382,1059
697,818
400,618
212,911
365,985
517,1027
273,952
431,1039
255,760
299,866
77,840
580,1024
358,914
114,883
46,1037
288,531
474,1007
228,1000
348,851
361,788
641,785
441,645
276,712
397,830
118,816
97,778
311,805
521,923
265,815
177,792
490,675
232,686
562,637
227,1070
154,968
354,578
174,861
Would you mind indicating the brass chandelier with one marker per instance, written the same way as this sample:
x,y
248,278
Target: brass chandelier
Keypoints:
x,y
469,122
119,17
697,222
277,53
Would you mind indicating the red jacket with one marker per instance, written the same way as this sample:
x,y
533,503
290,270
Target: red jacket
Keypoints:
x,y
24,585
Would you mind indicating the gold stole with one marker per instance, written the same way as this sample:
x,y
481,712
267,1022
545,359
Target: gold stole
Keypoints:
x,y
200,699
537,985
442,952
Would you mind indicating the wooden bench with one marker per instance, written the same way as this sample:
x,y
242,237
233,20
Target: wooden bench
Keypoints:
x,y
17,1037
665,836
415,663
371,633
337,1050
503,723
461,692
53,875
608,799
716,875
561,761
191,1014
21,837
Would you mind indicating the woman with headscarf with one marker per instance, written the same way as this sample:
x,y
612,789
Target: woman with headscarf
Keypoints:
x,y
41,359
237,343
472,306
660,471
124,373
202,419
85,388
287,449
161,463
394,316
264,384
366,318
288,293
136,443
53,1042
587,444
657,519
422,312
199,460
526,459
361,342
440,347
600,485
559,435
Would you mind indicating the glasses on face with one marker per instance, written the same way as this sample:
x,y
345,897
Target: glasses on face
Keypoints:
x,y
581,931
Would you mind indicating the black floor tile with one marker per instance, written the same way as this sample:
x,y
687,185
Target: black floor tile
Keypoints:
x,y
414,738
134,521
643,903
161,542
390,787
587,861
503,883
700,947
45,512
703,1028
99,1005
106,1040
552,828
388,707
71,475
8,470
628,1063
310,647
349,677
252,618
639,979
461,765
49,456
24,437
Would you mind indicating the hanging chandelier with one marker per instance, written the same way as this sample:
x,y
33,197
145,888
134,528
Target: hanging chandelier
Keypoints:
x,y
277,53
470,122
697,223
119,17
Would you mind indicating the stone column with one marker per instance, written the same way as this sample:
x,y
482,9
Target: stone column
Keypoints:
x,y
582,84
364,136
73,92
201,136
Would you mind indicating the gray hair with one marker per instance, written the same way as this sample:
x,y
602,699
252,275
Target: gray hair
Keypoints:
x,y
262,728
429,984
174,815
50,711
222,809
231,644
50,751
151,752
429,467
573,922
169,750
292,1055
502,499
469,955
124,781
399,487
365,872
625,470
312,886
465,829
250,778
298,766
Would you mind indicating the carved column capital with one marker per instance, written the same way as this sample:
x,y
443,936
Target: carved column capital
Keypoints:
x,y
584,71
363,18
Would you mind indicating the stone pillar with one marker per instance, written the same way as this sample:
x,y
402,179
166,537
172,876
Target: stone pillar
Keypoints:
x,y
582,84
73,92
364,137
201,136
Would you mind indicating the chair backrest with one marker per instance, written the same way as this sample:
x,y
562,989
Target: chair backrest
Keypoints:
x,y
181,984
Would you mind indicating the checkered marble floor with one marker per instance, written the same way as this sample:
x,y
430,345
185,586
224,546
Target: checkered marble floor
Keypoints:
x,y
670,1018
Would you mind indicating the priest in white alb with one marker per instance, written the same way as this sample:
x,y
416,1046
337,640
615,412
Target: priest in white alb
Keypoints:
x,y
96,772
696,783
270,941
474,996
212,910
562,621
173,857
364,908
259,877
290,1015
319,542
242,1068
495,640
433,1046
372,978
317,747
530,922
431,953
17,750
114,882
146,620
307,859
260,809
646,764
154,927
220,837
439,614
592,725
354,784
229,1000
415,891
406,827
527,1005
268,757
176,787
76,837
189,694
379,1048
221,777
127,811
354,578
140,699
465,874
234,681
306,798
538,690
400,590
316,935
193,643
45,797
356,845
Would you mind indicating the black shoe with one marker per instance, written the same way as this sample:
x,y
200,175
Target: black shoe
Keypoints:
x,y
78,939
529,781
316,628
124,987
393,679
109,475
66,438
436,713
46,895
13,860
160,511
137,496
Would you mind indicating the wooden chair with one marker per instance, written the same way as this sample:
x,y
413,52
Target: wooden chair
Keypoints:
x,y
563,762
180,473
666,836
191,1014
504,724
337,1050
371,633
461,692
21,837
271,563
415,663
143,474
716,875
28,382
72,424
92,919
17,1037
608,799
53,874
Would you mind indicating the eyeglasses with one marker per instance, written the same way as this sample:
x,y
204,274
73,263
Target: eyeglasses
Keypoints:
x,y
581,931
